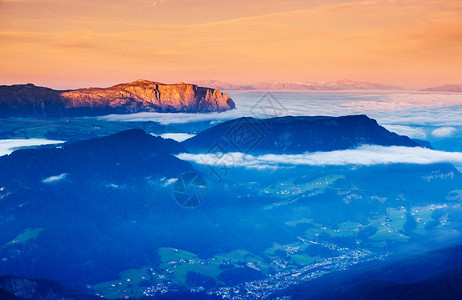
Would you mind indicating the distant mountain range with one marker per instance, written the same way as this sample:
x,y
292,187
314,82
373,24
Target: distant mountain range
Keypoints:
x,y
308,86
294,135
28,100
450,88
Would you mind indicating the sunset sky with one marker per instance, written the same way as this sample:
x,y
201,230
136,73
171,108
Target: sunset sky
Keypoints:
x,y
70,43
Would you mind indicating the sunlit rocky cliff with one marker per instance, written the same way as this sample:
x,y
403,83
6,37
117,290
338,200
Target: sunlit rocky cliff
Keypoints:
x,y
139,96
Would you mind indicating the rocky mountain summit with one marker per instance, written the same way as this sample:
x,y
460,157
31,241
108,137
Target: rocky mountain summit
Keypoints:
x,y
139,96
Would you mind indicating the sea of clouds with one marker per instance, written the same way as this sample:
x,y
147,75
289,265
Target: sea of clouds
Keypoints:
x,y
366,155
414,114
417,109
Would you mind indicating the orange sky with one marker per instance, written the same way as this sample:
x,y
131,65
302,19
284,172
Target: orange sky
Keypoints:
x,y
79,43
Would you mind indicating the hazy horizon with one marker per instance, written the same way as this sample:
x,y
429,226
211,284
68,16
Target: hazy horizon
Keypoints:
x,y
250,83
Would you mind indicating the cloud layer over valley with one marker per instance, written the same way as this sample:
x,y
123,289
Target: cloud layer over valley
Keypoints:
x,y
9,145
366,155
410,109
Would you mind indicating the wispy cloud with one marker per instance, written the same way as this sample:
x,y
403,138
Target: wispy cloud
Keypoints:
x,y
240,40
365,155
284,14
412,132
171,118
167,182
53,179
444,132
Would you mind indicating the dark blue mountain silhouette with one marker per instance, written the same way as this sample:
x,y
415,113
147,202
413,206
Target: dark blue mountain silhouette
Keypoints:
x,y
294,135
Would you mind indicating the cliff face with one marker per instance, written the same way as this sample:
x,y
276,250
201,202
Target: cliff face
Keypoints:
x,y
28,100
138,96
143,95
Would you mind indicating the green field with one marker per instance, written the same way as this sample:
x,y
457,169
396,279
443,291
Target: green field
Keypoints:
x,y
443,221
389,228
398,217
290,191
387,234
303,259
180,272
345,229
388,231
423,215
180,262
239,255
168,254
301,221
28,234
129,280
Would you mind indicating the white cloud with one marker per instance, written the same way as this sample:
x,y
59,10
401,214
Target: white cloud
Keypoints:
x,y
179,137
167,182
412,132
170,118
364,155
56,178
444,132
9,145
